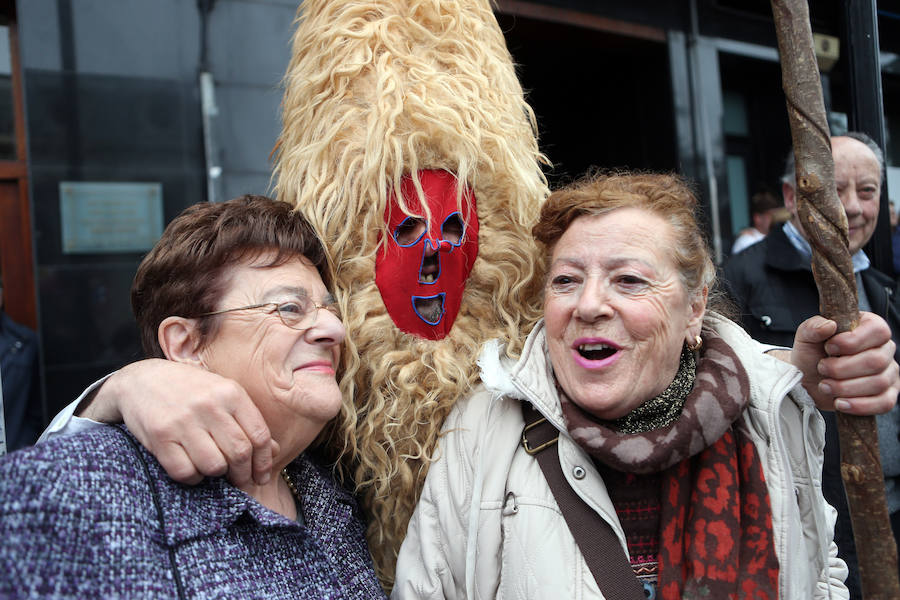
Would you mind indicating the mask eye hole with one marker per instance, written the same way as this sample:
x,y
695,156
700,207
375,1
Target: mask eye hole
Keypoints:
x,y
409,231
452,230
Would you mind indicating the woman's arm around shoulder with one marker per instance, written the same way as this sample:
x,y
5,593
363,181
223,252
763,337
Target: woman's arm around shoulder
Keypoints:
x,y
196,423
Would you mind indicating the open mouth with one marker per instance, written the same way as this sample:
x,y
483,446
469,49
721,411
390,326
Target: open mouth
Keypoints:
x,y
596,351
430,269
429,308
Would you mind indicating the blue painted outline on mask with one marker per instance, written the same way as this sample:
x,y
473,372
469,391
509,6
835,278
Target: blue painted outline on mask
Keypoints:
x,y
442,296
437,257
421,235
462,236
453,245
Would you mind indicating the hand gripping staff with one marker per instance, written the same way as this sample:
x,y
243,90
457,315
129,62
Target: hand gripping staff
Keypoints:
x,y
825,224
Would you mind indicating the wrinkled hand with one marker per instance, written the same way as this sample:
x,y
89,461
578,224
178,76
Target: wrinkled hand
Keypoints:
x,y
853,372
194,422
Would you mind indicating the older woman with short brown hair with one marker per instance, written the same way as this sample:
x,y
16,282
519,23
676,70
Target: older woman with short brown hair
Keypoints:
x,y
661,427
239,289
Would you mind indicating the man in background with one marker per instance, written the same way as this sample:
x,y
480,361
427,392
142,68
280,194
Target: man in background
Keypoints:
x,y
766,212
19,378
773,286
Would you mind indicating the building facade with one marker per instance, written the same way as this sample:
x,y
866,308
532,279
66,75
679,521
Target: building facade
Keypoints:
x,y
116,114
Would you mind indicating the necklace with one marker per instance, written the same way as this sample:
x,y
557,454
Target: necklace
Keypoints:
x,y
290,484
665,408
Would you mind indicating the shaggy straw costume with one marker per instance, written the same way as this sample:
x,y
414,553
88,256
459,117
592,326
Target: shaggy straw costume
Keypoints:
x,y
376,90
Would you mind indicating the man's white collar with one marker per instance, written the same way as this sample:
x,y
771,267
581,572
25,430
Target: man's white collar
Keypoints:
x,y
860,260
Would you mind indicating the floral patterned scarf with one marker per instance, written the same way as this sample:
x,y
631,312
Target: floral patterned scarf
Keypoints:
x,y
716,518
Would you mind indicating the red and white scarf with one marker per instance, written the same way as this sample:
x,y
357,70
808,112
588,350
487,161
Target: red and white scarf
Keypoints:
x,y
716,518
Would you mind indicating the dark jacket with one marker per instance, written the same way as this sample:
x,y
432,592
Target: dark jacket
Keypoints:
x,y
774,290
19,376
94,516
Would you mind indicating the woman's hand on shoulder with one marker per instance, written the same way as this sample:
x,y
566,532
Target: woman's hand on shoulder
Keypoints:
x,y
195,423
853,372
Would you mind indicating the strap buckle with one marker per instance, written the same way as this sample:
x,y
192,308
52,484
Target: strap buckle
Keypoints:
x,y
532,451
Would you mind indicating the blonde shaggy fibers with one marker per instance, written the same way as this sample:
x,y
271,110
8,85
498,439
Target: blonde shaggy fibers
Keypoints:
x,y
376,90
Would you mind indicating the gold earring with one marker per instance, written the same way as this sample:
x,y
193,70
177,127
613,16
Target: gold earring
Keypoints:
x,y
698,343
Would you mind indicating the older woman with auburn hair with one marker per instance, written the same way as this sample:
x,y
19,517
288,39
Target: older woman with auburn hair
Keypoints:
x,y
641,440
239,289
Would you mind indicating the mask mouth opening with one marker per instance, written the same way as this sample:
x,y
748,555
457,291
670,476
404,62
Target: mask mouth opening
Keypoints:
x,y
429,308
430,269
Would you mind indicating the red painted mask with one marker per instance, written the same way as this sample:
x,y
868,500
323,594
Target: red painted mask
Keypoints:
x,y
422,270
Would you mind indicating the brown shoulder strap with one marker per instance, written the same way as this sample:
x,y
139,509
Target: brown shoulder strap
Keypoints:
x,y
595,538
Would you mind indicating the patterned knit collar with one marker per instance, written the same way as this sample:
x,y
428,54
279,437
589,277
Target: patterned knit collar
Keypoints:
x,y
720,394
663,409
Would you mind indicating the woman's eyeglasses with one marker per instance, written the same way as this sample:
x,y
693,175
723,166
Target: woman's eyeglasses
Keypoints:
x,y
297,314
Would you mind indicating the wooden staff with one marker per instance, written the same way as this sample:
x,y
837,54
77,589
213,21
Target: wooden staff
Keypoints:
x,y
825,223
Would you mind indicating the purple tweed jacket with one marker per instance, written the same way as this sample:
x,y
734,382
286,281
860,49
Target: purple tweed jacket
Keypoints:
x,y
95,516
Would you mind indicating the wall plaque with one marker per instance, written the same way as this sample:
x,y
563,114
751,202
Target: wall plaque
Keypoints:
x,y
109,218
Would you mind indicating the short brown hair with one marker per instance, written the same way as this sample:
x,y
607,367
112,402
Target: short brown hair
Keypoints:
x,y
666,195
185,272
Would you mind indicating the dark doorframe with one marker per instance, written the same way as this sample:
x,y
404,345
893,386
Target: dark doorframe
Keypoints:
x,y
16,247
